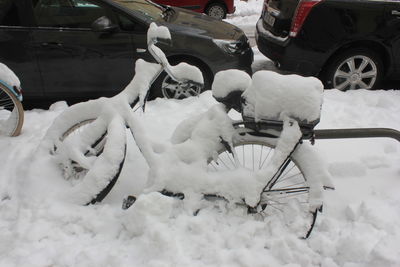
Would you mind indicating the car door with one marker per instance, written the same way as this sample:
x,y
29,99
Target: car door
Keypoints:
x,y
392,31
15,45
75,60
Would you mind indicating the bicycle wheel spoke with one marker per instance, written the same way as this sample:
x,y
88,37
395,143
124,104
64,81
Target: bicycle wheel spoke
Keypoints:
x,y
265,159
259,161
230,157
287,171
252,150
223,162
288,178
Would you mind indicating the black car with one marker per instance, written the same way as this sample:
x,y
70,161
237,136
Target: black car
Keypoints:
x,y
80,49
348,44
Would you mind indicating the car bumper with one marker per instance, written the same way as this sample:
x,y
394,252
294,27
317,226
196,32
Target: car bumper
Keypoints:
x,y
289,54
241,62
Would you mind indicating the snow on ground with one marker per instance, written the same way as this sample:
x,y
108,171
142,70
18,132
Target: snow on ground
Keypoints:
x,y
359,226
246,15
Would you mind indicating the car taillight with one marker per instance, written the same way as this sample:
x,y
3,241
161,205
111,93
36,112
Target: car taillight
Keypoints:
x,y
303,9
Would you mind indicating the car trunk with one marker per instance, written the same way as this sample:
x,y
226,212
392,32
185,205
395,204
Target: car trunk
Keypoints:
x,y
277,16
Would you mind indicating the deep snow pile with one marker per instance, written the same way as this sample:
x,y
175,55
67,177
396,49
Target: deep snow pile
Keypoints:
x,y
359,226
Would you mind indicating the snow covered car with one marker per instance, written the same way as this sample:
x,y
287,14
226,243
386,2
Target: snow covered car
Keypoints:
x,y
62,50
214,8
348,44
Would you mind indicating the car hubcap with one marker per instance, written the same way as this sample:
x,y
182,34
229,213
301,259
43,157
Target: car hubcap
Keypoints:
x,y
216,12
178,90
358,72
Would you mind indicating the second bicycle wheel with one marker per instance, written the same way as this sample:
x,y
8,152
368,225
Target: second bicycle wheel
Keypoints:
x,y
288,198
11,113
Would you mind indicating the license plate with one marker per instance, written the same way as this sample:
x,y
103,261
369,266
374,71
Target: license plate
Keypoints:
x,y
270,20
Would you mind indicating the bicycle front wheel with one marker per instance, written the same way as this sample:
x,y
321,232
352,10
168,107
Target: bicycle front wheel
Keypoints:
x,y
11,113
289,197
106,153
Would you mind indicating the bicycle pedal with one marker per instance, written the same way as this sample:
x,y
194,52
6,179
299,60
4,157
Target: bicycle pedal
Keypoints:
x,y
127,202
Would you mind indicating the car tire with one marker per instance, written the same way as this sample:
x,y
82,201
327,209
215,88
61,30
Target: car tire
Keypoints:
x,y
216,10
357,68
164,86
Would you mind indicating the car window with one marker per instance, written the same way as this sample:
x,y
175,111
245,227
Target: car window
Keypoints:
x,y
9,13
67,13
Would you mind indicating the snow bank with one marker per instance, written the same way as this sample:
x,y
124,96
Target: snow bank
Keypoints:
x,y
359,225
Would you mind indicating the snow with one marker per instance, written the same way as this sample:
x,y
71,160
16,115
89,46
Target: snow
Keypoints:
x,y
358,227
228,81
8,76
275,96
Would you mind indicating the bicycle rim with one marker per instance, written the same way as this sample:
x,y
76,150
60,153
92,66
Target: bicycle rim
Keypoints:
x,y
11,113
76,174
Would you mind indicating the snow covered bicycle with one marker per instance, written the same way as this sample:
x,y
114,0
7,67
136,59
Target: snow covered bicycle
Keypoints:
x,y
260,163
11,109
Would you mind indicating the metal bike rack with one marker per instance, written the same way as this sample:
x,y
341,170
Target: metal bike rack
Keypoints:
x,y
356,133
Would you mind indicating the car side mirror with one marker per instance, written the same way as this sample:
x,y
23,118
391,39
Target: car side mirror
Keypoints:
x,y
103,24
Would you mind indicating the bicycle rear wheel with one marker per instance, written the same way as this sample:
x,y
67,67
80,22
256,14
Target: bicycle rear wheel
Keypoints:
x,y
11,113
289,197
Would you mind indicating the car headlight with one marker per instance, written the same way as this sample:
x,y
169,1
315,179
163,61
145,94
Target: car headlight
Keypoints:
x,y
229,46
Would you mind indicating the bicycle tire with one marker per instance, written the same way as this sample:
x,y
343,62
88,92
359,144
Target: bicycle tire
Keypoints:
x,y
11,113
292,182
98,147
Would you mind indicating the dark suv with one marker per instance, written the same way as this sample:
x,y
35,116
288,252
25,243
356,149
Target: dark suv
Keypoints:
x,y
348,44
79,49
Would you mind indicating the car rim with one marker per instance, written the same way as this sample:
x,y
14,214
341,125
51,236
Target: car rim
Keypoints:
x,y
216,12
357,72
176,90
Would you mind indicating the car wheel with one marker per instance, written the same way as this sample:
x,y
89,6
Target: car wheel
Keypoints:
x,y
166,87
216,10
357,68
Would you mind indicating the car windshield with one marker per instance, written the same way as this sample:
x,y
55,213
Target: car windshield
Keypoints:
x,y
145,7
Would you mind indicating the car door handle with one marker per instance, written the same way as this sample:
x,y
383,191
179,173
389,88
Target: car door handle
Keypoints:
x,y
141,50
395,13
